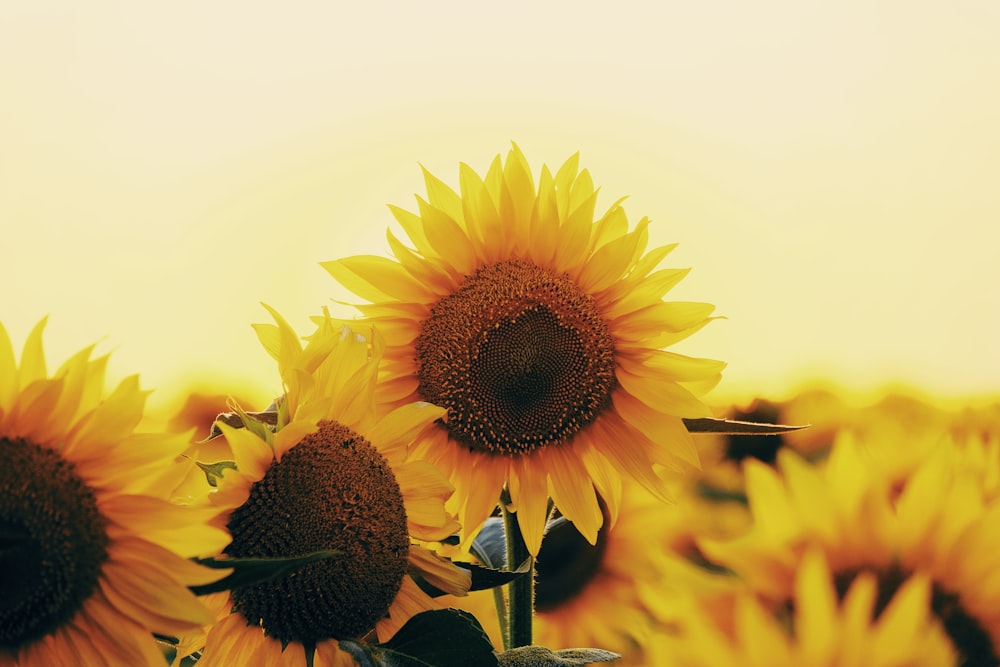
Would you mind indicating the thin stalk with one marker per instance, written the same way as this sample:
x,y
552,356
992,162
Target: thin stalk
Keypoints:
x,y
502,615
521,591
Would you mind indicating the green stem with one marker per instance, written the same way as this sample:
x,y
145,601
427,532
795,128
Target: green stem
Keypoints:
x,y
521,602
500,601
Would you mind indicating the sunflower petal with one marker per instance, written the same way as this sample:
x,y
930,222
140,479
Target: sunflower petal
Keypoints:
x,y
573,492
530,498
376,278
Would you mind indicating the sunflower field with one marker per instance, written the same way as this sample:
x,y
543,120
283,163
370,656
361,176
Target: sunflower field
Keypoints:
x,y
492,456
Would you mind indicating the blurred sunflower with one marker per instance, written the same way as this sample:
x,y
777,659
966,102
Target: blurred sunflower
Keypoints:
x,y
939,523
617,593
91,565
721,454
329,476
818,629
540,331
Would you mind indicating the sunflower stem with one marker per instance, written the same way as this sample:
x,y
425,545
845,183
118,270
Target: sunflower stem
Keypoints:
x,y
521,591
500,600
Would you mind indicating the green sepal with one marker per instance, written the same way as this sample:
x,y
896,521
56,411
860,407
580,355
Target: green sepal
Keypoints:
x,y
483,578
258,422
168,645
213,471
438,638
539,656
490,545
252,571
736,427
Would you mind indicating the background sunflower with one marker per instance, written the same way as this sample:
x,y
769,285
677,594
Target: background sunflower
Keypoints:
x,y
328,477
93,564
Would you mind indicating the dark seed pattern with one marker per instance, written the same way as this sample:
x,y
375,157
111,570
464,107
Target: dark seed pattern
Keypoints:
x,y
332,491
519,357
53,542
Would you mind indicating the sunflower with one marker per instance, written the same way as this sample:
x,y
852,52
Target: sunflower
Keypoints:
x,y
939,523
329,477
617,593
540,331
92,564
817,629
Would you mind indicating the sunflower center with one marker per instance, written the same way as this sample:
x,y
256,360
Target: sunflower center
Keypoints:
x,y
53,542
332,491
566,563
519,356
971,641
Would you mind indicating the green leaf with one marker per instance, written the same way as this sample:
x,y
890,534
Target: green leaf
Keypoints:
x,y
736,427
438,638
213,471
483,578
169,650
539,656
256,421
490,545
252,571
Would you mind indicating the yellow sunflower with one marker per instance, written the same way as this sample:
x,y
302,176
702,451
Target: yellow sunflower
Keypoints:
x,y
329,477
614,594
819,627
940,523
540,330
91,564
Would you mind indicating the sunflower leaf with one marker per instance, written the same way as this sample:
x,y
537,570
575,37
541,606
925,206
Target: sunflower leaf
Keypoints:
x,y
490,545
539,656
437,638
483,578
252,571
239,419
736,427
213,471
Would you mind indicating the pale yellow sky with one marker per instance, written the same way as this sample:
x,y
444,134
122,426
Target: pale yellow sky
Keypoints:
x,y
829,169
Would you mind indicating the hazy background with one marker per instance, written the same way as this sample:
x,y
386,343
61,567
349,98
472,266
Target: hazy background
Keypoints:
x,y
830,170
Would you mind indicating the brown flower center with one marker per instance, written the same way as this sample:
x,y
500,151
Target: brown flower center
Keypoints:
x,y
53,542
971,641
332,491
519,356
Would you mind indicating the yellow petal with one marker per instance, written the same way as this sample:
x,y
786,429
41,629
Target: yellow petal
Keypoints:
x,y
152,598
659,395
815,607
611,261
400,427
253,456
376,278
622,446
447,238
33,356
441,196
572,491
530,498
8,372
903,621
439,571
